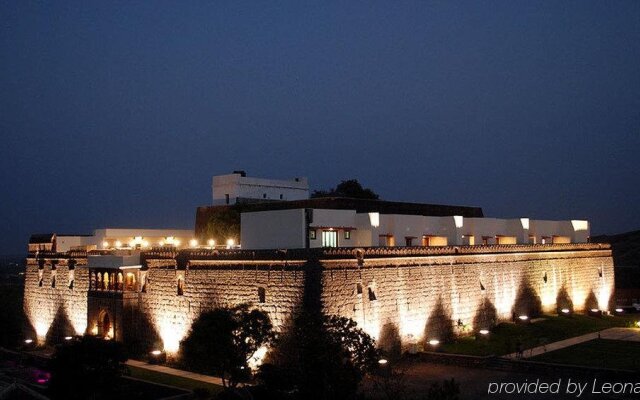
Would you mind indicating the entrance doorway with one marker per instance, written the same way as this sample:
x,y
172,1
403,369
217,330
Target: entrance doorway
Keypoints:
x,y
104,324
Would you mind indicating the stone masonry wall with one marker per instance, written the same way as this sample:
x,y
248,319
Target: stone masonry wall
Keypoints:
x,y
208,285
407,292
59,311
403,291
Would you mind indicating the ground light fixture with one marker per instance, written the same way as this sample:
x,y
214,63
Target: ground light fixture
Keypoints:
x,y
434,342
230,243
523,317
382,361
28,341
211,242
619,310
67,338
484,331
193,243
565,311
156,352
638,324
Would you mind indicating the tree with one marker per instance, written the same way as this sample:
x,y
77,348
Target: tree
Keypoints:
x,y
319,357
222,342
223,224
349,188
87,367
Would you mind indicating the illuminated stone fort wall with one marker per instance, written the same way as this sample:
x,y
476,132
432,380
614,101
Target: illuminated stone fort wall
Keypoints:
x,y
210,284
405,289
59,311
404,293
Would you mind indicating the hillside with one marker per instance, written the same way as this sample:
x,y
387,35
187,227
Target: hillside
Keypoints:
x,y
625,247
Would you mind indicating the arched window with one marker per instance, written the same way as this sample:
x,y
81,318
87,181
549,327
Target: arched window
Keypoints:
x,y
262,295
120,279
105,281
130,281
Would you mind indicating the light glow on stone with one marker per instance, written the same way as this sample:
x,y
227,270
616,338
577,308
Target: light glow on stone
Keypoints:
x,y
193,243
459,221
257,358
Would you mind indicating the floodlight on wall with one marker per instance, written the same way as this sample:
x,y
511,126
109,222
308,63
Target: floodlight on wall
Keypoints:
x,y
211,242
193,243
230,243
118,244
105,245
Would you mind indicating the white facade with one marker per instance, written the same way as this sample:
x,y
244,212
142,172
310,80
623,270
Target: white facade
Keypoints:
x,y
232,188
346,228
110,238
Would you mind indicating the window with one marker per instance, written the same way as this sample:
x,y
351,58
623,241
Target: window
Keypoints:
x,y
280,196
312,234
264,195
329,239
359,288
226,198
71,278
347,235
180,287
53,281
408,241
262,295
372,294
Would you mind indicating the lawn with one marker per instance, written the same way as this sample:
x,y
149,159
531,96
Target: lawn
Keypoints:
x,y
165,379
615,354
503,338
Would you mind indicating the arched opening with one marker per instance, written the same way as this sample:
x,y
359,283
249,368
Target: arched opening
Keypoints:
x,y
104,324
130,281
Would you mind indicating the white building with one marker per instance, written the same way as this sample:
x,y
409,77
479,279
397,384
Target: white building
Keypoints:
x,y
300,228
134,238
237,188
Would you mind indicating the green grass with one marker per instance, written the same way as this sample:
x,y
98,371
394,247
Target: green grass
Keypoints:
x,y
171,380
617,354
504,337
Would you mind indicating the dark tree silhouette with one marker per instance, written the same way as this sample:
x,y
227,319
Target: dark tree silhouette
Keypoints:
x,y
319,357
349,188
222,341
87,367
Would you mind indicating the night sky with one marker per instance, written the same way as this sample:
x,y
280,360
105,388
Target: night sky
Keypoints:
x,y
118,114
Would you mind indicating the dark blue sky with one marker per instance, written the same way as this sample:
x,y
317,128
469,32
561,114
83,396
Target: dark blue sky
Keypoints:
x,y
118,114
